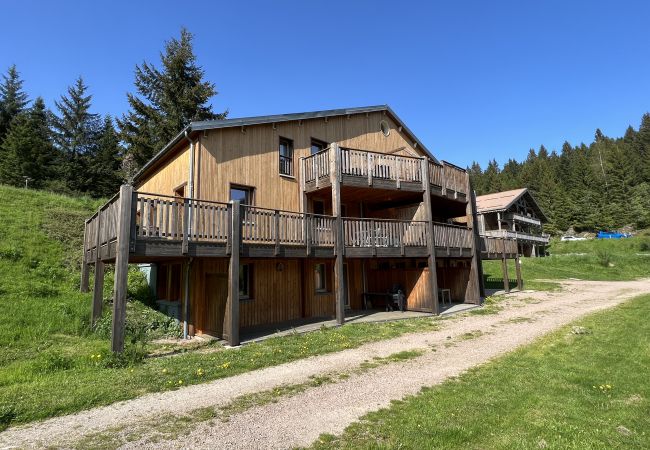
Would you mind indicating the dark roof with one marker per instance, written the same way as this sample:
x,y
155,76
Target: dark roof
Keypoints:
x,y
501,201
258,120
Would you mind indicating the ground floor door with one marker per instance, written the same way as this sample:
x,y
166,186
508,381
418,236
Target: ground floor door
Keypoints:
x,y
216,296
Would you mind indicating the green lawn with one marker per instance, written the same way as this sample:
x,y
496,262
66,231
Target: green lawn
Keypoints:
x,y
575,388
625,259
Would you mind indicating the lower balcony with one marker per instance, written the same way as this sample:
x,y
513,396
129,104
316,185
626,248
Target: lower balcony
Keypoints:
x,y
167,227
540,239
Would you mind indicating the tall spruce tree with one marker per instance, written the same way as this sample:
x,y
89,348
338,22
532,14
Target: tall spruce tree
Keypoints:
x,y
104,166
167,99
27,150
12,99
75,135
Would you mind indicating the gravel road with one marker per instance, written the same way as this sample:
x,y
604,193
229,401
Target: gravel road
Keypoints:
x,y
461,343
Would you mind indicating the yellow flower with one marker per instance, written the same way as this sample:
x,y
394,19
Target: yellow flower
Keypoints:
x,y
164,371
180,381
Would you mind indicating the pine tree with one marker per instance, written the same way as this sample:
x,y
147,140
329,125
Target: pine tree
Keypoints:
x,y
27,150
75,134
12,99
167,100
642,147
105,162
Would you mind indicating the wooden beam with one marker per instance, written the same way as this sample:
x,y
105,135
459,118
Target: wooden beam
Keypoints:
x,y
520,281
231,326
121,267
431,243
335,181
98,292
476,270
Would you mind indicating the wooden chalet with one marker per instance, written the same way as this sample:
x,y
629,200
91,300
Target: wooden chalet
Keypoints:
x,y
266,220
516,215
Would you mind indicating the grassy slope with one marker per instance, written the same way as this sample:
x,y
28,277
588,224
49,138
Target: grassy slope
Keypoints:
x,y
565,391
52,364
629,258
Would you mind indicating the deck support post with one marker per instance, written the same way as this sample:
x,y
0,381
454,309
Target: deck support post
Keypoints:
x,y
339,282
475,286
85,270
520,281
504,265
231,325
121,267
98,292
431,243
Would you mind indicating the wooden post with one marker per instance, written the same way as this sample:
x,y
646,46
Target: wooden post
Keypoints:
x,y
476,270
520,281
433,277
504,265
339,283
84,265
186,226
231,327
186,298
121,267
98,292
307,232
276,230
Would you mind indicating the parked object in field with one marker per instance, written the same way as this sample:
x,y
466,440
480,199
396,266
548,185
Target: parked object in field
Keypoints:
x,y
572,238
611,235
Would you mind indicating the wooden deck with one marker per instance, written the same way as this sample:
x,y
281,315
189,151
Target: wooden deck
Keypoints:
x,y
362,168
168,227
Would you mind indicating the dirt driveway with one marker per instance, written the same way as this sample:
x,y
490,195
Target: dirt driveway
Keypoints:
x,y
356,382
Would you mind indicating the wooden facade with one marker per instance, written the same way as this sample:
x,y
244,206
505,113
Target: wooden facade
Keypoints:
x,y
361,208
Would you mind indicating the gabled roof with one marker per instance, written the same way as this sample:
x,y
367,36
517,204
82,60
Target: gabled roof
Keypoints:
x,y
259,120
501,201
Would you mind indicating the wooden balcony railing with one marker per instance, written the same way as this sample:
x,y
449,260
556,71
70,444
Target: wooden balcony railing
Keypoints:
x,y
452,236
156,219
384,233
519,235
386,171
521,218
373,165
496,245
448,177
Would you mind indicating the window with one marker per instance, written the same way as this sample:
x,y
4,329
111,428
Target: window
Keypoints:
x,y
317,146
242,193
245,278
320,278
286,156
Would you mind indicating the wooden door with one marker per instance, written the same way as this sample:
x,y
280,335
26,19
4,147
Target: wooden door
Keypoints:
x,y
216,296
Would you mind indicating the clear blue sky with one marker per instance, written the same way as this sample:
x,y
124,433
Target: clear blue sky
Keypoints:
x,y
474,80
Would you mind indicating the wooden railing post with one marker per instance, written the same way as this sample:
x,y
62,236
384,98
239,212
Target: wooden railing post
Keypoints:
x,y
369,163
276,226
433,277
520,281
134,212
307,232
186,226
121,267
231,325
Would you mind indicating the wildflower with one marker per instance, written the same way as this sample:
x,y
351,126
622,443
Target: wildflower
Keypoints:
x,y
180,382
199,372
164,371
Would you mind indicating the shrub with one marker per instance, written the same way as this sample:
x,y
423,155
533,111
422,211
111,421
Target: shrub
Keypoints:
x,y
132,355
604,257
7,415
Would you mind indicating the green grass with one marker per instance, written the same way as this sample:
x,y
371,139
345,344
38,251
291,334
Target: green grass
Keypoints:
x,y
584,386
52,363
583,260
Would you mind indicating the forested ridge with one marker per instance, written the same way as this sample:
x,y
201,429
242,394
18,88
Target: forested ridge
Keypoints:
x,y
602,185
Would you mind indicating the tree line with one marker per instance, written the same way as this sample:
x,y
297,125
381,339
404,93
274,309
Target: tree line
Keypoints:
x,y
602,185
75,150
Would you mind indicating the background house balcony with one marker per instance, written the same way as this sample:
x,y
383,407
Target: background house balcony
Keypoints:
x,y
520,236
523,219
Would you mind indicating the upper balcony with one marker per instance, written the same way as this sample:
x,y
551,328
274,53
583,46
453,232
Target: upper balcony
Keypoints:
x,y
363,168
170,227
514,217
520,236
